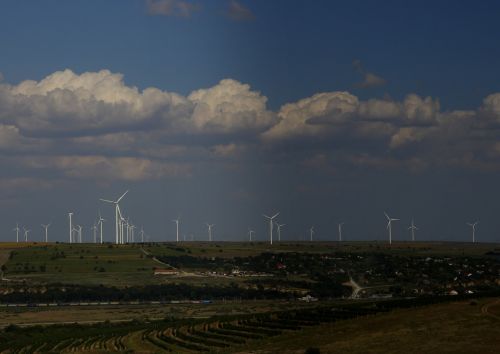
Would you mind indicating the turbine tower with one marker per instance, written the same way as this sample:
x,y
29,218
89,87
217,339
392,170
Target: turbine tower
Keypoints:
x,y
311,233
79,230
117,215
389,226
142,234
17,229
279,226
412,228
473,225
46,232
210,231
340,231
70,228
99,222
177,227
26,234
250,232
271,219
94,229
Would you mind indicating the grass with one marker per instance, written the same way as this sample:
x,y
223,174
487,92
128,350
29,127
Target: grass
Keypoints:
x,y
443,328
126,265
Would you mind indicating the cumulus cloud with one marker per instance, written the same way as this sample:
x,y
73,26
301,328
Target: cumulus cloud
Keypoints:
x,y
97,103
238,12
95,126
171,8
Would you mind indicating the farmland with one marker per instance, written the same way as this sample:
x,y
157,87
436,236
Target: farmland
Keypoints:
x,y
246,297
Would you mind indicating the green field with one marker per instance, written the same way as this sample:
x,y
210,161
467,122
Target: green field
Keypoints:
x,y
128,265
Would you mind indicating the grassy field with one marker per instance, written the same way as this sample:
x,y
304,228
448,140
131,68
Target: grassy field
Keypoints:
x,y
458,327
126,265
85,314
445,328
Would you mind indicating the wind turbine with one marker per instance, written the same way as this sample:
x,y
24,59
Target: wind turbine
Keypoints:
x,y
340,231
16,229
389,226
271,218
142,234
79,230
117,215
250,232
94,229
132,228
311,232
279,226
70,228
177,227
99,222
473,225
210,231
46,232
412,228
26,234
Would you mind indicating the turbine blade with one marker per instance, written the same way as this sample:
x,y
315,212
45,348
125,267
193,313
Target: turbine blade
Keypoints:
x,y
123,195
107,201
275,215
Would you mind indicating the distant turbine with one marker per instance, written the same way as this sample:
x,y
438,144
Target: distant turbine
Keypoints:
x,y
389,226
94,229
210,231
177,227
16,229
271,218
70,228
26,234
141,233
311,232
412,228
46,232
117,216
473,225
279,226
79,230
132,236
99,222
250,232
340,231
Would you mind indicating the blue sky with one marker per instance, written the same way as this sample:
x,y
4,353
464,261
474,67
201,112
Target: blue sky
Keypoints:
x,y
332,111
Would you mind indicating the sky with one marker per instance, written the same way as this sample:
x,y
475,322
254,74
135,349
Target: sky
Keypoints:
x,y
221,111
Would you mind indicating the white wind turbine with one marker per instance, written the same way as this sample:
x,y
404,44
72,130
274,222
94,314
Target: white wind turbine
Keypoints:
x,y
26,234
412,228
132,228
177,227
117,216
311,233
99,222
210,231
70,228
473,226
94,230
389,226
17,229
142,234
279,226
46,231
340,231
271,219
250,232
79,230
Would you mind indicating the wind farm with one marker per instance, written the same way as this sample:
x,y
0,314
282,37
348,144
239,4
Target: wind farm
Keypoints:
x,y
237,176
